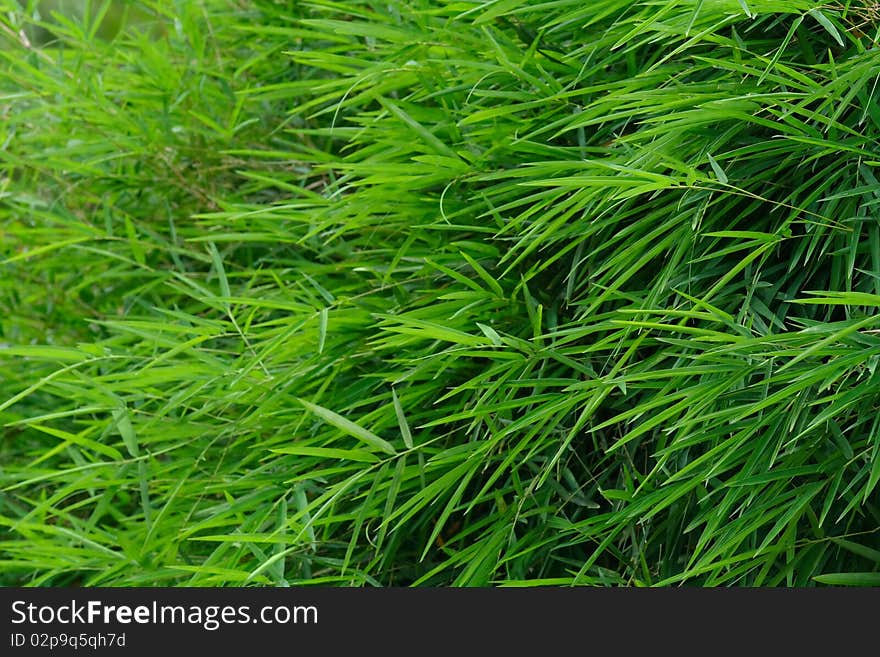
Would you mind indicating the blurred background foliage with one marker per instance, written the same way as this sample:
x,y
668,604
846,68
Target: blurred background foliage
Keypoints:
x,y
106,17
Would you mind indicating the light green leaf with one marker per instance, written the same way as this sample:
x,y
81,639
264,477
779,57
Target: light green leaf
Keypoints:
x,y
849,579
349,427
825,22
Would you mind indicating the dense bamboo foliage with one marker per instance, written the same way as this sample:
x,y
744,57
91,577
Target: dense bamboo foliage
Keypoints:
x,y
427,292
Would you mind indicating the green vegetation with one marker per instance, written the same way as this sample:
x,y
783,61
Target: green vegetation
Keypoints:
x,y
441,292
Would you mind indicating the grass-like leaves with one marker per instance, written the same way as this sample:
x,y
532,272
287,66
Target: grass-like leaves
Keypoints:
x,y
425,292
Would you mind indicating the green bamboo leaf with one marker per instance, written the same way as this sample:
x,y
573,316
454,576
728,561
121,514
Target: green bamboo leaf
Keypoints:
x,y
827,24
45,352
859,549
220,271
849,579
491,333
401,420
348,427
359,455
82,441
719,172
322,329
126,430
